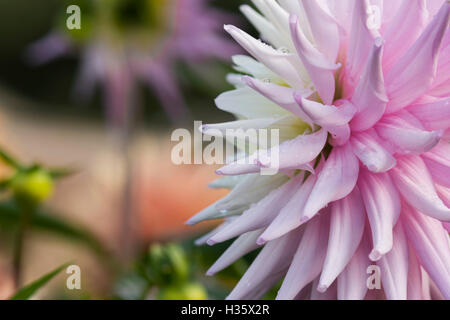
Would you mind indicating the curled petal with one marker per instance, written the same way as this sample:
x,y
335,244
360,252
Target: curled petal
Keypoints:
x,y
369,150
289,217
394,267
370,95
346,229
382,203
268,267
281,95
324,28
319,68
352,282
406,137
296,152
431,244
240,247
435,115
438,163
414,73
308,259
283,64
260,214
335,181
415,184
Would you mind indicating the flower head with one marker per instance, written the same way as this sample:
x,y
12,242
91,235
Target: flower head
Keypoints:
x,y
360,93
124,40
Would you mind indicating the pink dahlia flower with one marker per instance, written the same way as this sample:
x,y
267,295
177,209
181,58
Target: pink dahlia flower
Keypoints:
x,y
360,93
124,40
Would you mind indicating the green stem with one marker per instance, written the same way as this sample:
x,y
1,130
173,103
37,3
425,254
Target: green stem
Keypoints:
x,y
19,245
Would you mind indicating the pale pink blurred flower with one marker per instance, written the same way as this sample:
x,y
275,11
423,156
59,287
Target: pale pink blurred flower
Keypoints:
x,y
191,33
369,109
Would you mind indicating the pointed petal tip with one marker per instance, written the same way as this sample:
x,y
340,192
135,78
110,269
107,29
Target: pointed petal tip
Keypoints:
x,y
191,222
378,42
210,272
376,255
293,19
322,288
261,241
304,219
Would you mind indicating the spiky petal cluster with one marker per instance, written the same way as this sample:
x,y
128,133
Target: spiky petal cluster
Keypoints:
x,y
375,95
116,54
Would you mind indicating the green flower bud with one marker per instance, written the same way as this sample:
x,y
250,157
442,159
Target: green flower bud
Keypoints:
x,y
34,186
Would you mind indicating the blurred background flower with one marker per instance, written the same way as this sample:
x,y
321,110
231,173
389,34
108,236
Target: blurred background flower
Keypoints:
x,y
55,87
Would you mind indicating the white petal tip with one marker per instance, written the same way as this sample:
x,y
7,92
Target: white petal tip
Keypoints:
x,y
322,288
211,242
261,241
375,255
191,222
304,219
220,172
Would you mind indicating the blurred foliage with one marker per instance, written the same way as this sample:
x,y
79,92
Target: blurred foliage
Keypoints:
x,y
28,291
50,86
177,272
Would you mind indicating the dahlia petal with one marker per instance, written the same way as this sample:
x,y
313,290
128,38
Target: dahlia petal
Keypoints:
x,y
225,182
279,15
369,150
346,229
319,68
282,64
280,95
430,242
407,138
247,103
415,288
264,27
289,217
296,152
333,119
335,181
352,282
370,95
268,267
394,267
240,247
211,213
435,115
382,203
203,239
327,116
260,214
438,163
361,41
404,30
444,194
329,294
248,65
249,190
323,27
308,259
414,73
415,184
236,168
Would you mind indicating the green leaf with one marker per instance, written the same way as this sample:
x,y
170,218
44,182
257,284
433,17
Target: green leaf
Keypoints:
x,y
26,292
44,221
9,160
61,173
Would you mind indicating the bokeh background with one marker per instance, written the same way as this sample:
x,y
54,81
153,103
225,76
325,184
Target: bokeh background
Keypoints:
x,y
43,120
